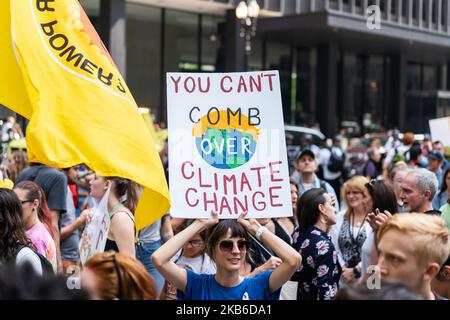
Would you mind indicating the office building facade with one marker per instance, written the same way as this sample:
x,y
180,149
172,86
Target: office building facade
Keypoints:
x,y
336,68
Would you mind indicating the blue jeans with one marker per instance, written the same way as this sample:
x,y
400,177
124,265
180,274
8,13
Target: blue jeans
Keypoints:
x,y
147,251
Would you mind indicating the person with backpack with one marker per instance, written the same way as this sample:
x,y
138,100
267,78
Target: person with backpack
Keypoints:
x,y
15,247
54,184
307,179
373,169
37,219
332,162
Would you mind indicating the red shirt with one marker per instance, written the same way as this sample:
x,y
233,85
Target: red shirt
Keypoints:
x,y
73,189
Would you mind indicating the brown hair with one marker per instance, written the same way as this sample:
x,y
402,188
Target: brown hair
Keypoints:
x,y
220,230
12,230
429,235
21,162
121,277
126,188
408,138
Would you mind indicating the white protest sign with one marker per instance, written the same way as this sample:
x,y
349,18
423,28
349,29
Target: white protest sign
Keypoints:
x,y
227,149
440,130
93,239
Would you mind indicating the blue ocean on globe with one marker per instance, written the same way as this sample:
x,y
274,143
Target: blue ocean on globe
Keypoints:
x,y
226,148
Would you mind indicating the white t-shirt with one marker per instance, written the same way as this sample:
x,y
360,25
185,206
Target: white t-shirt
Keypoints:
x,y
201,264
26,255
366,251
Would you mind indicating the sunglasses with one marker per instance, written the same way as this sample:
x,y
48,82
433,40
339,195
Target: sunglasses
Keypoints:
x,y
228,245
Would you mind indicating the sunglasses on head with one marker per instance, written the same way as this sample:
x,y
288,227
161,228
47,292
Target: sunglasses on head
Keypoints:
x,y
228,245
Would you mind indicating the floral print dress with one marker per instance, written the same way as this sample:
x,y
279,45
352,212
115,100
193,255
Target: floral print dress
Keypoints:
x,y
320,271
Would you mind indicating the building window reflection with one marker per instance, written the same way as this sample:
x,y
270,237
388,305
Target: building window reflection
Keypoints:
x,y
181,41
210,42
144,54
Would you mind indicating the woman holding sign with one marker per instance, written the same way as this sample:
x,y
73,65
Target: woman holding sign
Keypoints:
x,y
228,245
121,232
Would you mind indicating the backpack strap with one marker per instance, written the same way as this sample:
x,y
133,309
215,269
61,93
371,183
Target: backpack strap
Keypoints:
x,y
19,246
323,184
47,268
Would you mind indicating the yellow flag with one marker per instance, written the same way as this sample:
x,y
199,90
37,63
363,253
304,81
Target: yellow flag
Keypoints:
x,y
12,85
80,108
160,136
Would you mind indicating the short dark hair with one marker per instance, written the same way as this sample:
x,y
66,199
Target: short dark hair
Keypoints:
x,y
308,207
220,230
186,223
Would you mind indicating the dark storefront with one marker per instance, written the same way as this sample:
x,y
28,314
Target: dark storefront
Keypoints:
x,y
334,71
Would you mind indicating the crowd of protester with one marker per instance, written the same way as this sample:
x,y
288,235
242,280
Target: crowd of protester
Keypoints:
x,y
380,232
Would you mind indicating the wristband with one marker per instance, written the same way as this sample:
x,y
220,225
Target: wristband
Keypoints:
x,y
260,232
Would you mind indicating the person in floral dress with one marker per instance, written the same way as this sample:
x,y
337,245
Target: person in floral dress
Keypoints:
x,y
318,275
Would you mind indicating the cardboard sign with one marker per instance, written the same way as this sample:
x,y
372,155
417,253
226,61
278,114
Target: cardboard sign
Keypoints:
x,y
93,239
227,149
440,130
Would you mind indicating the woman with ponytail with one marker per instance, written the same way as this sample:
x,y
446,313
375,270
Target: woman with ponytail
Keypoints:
x,y
122,202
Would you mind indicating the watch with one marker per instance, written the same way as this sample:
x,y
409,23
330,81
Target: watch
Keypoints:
x,y
259,232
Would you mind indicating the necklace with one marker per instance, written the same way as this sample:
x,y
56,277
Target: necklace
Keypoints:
x,y
350,226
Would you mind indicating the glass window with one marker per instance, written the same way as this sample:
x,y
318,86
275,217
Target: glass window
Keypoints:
x,y
352,87
144,54
394,7
92,7
413,76
404,5
374,89
210,42
430,78
304,114
434,13
255,63
279,58
181,41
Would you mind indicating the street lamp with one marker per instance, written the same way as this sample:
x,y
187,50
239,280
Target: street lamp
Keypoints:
x,y
247,12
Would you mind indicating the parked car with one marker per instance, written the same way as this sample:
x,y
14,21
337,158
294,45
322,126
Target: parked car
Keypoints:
x,y
299,133
298,136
